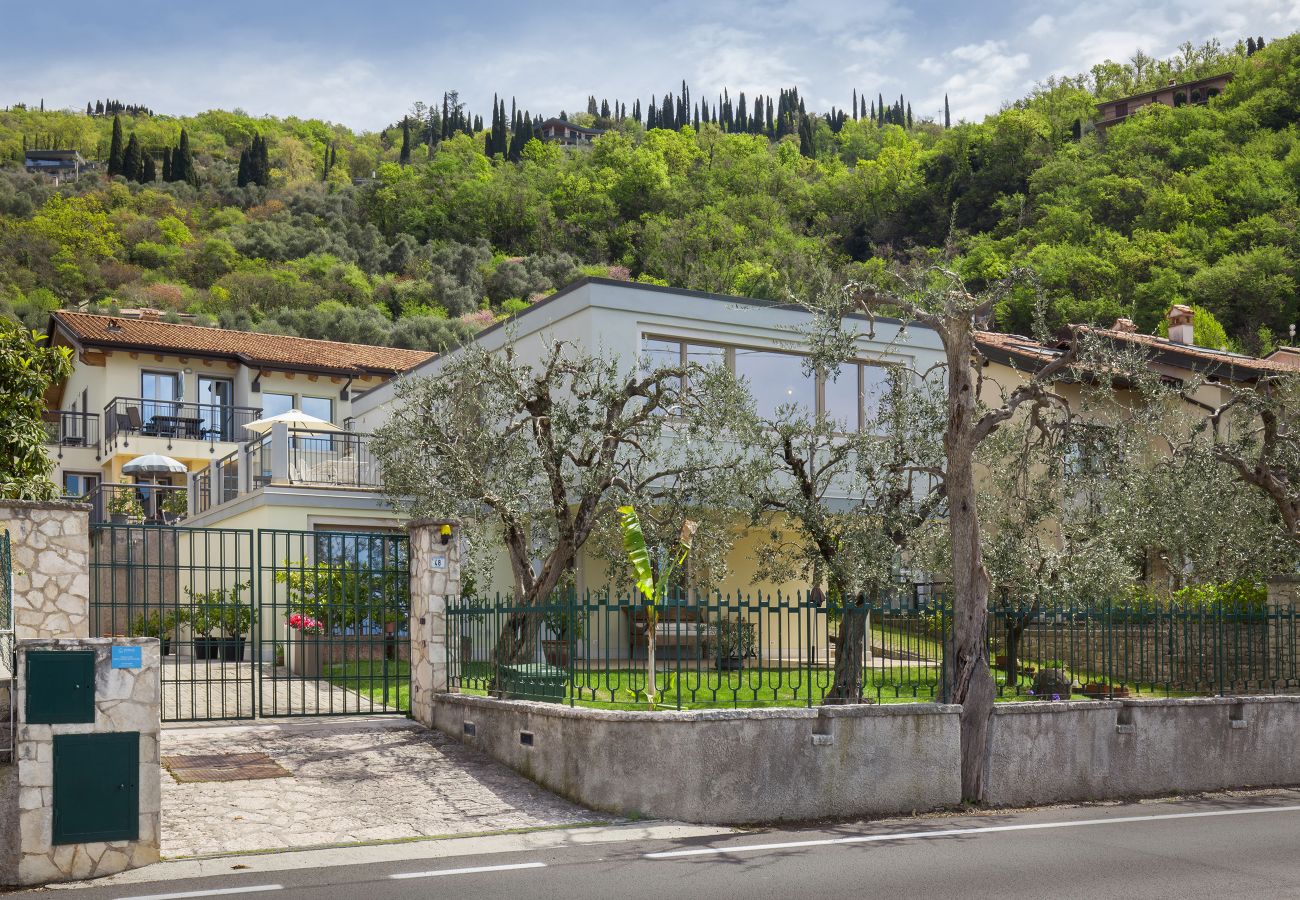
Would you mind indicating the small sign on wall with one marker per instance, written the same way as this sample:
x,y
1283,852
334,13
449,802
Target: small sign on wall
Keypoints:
x,y
437,562
127,658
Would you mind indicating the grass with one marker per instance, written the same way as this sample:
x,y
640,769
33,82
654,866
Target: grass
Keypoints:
x,y
368,678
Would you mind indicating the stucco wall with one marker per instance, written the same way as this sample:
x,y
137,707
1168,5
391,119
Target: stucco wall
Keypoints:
x,y
51,561
724,766
1092,750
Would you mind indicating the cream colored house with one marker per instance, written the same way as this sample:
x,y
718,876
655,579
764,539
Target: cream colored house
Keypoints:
x,y
141,385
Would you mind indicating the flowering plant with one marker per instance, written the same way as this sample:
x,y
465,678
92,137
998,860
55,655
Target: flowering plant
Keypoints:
x,y
306,624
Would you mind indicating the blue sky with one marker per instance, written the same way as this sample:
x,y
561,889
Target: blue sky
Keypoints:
x,y
363,64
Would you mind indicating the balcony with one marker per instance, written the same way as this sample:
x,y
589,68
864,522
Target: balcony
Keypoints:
x,y
71,429
138,504
316,459
172,420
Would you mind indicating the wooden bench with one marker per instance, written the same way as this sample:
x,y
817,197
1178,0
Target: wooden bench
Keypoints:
x,y
677,627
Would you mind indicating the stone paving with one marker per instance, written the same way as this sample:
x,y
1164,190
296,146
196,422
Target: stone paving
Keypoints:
x,y
204,689
354,779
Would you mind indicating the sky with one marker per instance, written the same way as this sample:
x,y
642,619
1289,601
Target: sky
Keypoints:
x,y
364,64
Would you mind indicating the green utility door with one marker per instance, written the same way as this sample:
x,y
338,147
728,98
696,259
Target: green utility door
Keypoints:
x,y
96,787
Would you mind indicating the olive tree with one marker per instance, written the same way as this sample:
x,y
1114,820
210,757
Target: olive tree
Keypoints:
x,y
27,369
842,505
533,456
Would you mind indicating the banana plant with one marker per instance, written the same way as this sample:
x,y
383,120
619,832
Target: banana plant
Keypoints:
x,y
655,591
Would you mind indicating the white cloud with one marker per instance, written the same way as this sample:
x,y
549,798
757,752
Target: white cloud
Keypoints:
x,y
1041,27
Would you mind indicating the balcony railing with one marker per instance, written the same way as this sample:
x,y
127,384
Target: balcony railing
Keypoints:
x,y
71,429
150,504
126,417
332,460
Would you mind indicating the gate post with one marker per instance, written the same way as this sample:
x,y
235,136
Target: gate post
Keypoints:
x,y
51,567
435,577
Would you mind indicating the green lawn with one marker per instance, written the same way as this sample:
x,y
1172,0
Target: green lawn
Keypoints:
x,y
391,687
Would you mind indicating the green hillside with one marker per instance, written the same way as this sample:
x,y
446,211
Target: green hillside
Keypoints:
x,y
1196,204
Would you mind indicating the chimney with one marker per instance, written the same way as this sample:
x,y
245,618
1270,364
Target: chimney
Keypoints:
x,y
1180,325
1127,326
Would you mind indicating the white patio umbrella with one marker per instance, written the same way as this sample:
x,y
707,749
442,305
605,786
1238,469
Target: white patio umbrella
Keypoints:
x,y
154,464
296,419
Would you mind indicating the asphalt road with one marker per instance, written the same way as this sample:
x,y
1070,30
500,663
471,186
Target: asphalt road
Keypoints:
x,y
1225,847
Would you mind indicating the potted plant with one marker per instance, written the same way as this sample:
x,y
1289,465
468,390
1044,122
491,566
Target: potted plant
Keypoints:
x,y
175,506
124,506
563,627
735,641
158,625
221,623
304,653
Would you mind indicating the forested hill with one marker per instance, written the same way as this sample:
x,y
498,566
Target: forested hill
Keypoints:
x,y
414,236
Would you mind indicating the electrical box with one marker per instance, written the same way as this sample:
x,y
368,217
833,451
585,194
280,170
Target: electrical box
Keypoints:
x,y
96,787
60,687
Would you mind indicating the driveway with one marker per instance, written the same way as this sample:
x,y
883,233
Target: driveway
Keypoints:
x,y
349,780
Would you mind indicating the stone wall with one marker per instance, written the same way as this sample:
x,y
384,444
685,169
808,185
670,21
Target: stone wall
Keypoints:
x,y
723,766
51,559
1110,750
435,576
126,700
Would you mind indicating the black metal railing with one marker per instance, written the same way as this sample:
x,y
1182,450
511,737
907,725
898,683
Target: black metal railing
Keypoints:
x,y
202,491
126,417
71,429
332,459
135,504
773,649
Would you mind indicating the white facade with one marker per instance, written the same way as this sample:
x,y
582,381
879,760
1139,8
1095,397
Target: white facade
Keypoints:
x,y
625,319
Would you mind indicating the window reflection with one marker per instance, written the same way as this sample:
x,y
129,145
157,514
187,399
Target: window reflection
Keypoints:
x,y
840,397
776,379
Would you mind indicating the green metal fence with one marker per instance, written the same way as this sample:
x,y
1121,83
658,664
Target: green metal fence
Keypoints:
x,y
742,650
194,589
335,611
714,650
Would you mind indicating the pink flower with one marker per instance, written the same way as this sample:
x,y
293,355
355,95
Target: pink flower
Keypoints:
x,y
306,624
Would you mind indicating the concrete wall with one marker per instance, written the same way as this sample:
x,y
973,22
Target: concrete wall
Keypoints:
x,y
1093,750
51,560
724,766
126,699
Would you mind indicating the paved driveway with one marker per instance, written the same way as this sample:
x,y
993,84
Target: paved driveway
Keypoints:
x,y
353,779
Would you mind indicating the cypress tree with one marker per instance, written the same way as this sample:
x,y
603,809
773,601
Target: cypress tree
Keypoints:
x,y
405,157
947,116
855,104
167,164
148,174
880,109
245,168
115,149
131,159
805,138
909,115
1250,46
183,162
263,162
1259,44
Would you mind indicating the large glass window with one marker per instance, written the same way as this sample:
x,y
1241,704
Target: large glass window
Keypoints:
x,y
877,382
275,404
657,354
840,395
158,393
320,407
776,379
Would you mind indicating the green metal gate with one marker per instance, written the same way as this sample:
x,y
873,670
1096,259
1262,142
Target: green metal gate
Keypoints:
x,y
335,610
266,623
194,589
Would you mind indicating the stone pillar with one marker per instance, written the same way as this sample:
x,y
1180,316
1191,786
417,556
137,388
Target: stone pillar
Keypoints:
x,y
435,576
51,561
127,699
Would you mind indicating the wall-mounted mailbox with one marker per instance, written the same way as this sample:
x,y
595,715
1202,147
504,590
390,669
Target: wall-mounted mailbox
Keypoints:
x,y
96,787
60,687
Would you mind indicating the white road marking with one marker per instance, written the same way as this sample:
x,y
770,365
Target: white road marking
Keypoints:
x,y
954,832
470,871
215,892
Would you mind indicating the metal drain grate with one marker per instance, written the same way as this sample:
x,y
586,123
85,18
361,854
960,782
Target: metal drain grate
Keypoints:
x,y
224,767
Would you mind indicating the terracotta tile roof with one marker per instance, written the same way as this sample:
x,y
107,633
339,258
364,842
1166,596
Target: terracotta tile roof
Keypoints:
x,y
267,350
1199,359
